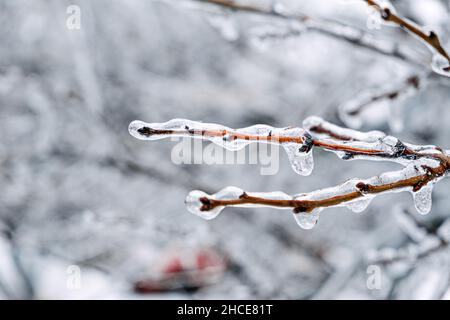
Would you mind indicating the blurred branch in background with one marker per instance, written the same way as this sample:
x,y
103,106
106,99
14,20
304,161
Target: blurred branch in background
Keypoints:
x,y
331,28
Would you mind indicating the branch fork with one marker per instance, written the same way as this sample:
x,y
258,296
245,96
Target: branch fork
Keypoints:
x,y
423,165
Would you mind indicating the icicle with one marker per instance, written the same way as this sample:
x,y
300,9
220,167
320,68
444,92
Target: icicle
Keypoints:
x,y
301,163
300,155
307,220
360,205
422,199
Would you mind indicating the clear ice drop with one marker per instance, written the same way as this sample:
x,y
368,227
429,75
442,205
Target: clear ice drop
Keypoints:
x,y
307,220
422,199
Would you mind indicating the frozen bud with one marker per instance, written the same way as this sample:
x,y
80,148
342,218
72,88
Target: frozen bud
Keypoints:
x,y
200,204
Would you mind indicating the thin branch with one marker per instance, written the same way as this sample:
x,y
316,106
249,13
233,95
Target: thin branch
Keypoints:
x,y
424,165
352,112
17,260
353,35
431,39
361,189
430,241
406,252
334,29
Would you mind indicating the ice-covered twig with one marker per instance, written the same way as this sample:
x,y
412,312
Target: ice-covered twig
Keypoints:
x,y
441,59
296,141
424,165
331,28
426,241
381,105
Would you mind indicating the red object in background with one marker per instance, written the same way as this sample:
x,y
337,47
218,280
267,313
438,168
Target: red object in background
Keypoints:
x,y
173,266
184,270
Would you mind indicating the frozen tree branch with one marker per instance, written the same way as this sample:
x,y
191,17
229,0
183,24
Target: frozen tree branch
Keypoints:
x,y
423,165
426,241
27,290
331,28
441,59
359,111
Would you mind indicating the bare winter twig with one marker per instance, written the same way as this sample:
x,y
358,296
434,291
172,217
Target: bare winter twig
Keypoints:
x,y
331,28
385,102
430,38
424,165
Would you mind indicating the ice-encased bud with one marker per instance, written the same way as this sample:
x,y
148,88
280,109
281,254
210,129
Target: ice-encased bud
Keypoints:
x,y
299,154
379,14
156,131
197,203
135,127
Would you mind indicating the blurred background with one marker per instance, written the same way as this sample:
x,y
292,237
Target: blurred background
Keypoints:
x,y
87,211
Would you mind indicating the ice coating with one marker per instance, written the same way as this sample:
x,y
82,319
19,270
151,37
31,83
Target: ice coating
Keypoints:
x,y
199,203
379,11
354,194
423,166
360,205
301,162
296,142
440,65
383,13
378,107
313,122
349,144
194,204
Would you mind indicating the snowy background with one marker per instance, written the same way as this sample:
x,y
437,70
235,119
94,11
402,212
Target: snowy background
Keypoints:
x,y
87,211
